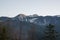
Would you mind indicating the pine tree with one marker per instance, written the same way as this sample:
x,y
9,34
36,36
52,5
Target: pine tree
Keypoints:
x,y
50,33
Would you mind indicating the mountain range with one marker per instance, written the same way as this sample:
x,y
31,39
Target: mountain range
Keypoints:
x,y
25,23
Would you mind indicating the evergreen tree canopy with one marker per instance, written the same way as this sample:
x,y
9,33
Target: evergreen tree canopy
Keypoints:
x,y
50,33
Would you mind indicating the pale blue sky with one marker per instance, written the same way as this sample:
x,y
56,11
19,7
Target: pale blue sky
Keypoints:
x,y
41,7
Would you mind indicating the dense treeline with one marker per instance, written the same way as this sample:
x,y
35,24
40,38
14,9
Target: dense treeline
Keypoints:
x,y
48,34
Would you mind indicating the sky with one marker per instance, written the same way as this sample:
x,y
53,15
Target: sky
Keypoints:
x,y
12,8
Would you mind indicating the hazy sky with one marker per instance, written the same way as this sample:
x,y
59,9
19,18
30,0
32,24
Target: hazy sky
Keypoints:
x,y
41,7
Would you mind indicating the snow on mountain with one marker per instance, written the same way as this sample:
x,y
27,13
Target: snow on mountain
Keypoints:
x,y
26,22
40,20
33,20
21,17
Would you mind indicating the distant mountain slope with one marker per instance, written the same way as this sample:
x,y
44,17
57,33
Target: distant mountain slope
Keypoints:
x,y
35,19
25,23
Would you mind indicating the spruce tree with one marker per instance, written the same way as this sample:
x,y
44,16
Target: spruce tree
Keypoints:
x,y
50,33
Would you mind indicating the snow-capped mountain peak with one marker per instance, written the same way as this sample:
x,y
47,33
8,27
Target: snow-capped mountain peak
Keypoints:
x,y
21,17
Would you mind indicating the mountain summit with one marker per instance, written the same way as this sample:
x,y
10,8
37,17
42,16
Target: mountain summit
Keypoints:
x,y
25,23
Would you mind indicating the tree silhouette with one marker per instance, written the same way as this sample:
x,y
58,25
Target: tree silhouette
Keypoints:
x,y
3,34
50,33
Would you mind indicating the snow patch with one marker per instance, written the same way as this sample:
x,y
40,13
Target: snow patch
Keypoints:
x,y
32,20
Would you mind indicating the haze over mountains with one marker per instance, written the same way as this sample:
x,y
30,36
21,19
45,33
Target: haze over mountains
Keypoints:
x,y
27,22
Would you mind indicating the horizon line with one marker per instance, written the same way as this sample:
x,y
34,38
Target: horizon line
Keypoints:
x,y
30,15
